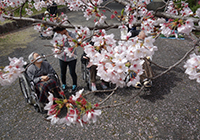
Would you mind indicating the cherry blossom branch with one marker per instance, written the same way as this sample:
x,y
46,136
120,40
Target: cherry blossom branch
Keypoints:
x,y
84,3
125,102
108,2
157,64
122,2
112,11
166,15
92,3
159,8
67,21
114,25
108,96
20,12
100,91
178,62
15,9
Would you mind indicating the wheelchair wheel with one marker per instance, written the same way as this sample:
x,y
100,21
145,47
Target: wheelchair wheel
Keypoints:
x,y
57,79
37,105
25,89
88,81
83,71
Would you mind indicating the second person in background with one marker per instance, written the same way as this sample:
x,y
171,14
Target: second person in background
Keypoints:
x,y
65,60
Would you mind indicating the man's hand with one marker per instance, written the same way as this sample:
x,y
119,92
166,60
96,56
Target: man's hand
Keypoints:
x,y
44,78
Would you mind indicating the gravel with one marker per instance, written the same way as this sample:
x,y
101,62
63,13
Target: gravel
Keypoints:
x,y
168,110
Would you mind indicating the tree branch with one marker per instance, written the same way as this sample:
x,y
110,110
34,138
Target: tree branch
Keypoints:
x,y
20,11
101,91
114,25
165,15
108,96
119,104
178,62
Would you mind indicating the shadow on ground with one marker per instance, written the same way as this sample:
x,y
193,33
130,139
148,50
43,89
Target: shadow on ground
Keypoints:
x,y
162,85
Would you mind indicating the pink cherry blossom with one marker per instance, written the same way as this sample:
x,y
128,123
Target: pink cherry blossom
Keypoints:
x,y
82,33
75,5
101,20
28,11
133,81
124,30
171,9
142,11
148,26
50,103
11,72
192,66
47,32
71,117
53,118
186,11
198,12
166,31
91,116
187,27
78,94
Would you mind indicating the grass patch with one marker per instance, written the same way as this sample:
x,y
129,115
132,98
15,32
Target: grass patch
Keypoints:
x,y
10,42
16,13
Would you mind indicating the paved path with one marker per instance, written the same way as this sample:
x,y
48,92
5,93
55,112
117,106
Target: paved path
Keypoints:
x,y
169,110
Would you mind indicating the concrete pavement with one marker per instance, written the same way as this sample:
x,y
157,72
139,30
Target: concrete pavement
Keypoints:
x,y
168,110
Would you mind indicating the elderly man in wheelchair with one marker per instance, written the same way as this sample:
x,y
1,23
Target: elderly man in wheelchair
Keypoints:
x,y
43,77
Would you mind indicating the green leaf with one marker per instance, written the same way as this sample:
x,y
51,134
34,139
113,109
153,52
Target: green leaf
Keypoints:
x,y
122,12
75,41
88,106
78,103
58,102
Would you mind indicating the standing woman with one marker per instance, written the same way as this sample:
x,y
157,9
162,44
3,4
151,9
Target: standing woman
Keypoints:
x,y
65,60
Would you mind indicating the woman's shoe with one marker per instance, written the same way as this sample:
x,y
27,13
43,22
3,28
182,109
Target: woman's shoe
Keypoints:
x,y
64,86
93,88
74,87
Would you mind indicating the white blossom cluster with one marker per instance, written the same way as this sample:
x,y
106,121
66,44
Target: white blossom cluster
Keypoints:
x,y
73,115
192,67
11,72
112,57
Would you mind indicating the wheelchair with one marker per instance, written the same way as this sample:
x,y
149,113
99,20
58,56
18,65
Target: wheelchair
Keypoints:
x,y
145,78
29,91
85,71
